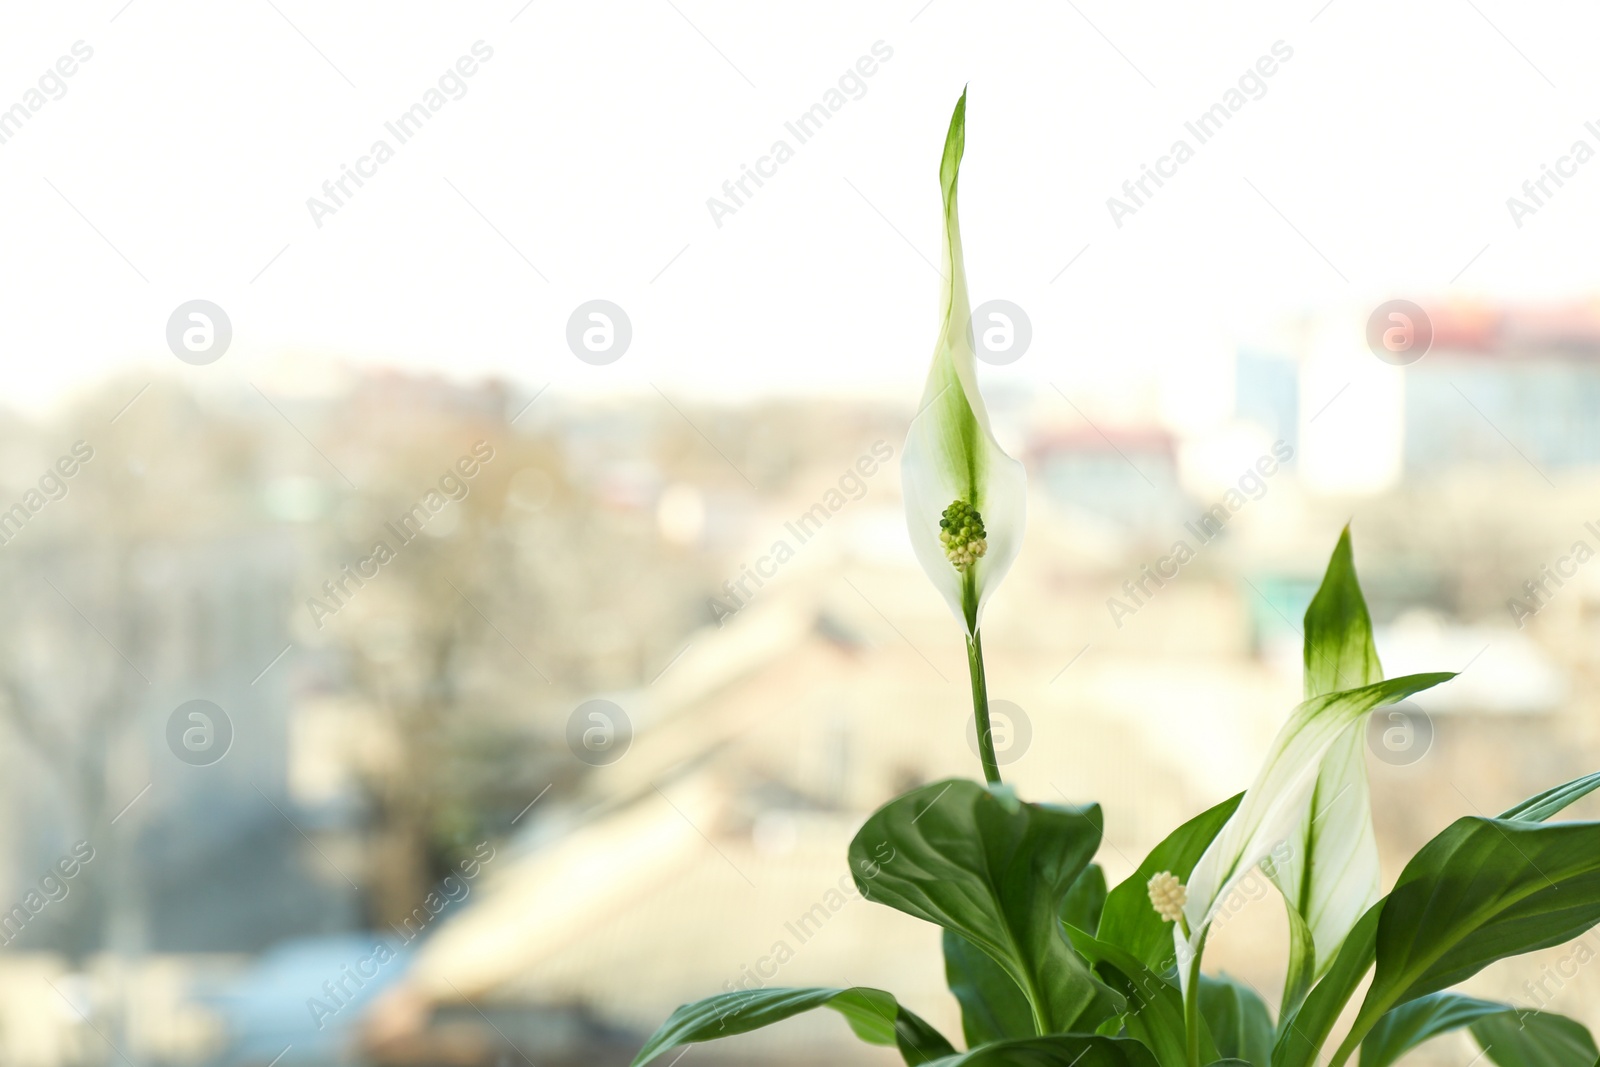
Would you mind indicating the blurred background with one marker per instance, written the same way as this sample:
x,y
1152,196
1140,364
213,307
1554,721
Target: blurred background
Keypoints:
x,y
457,599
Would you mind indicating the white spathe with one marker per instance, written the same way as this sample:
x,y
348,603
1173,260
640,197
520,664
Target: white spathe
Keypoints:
x,y
951,453
1278,802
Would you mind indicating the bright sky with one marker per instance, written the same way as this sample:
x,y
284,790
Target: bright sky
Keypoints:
x,y
178,163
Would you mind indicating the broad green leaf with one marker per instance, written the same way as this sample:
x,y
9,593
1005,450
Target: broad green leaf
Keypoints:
x,y
995,871
1060,1050
1509,1037
1482,890
1274,807
1541,806
1153,1013
997,999
1329,873
1535,1039
992,1007
1128,920
1303,1032
1412,1023
951,453
875,1017
1086,900
1238,1019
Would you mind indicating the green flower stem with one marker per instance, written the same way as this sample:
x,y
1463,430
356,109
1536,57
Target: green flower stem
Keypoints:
x,y
1038,1017
980,709
980,687
1358,1033
1191,1002
975,667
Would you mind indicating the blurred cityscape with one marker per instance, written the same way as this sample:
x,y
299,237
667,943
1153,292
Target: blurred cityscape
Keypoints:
x,y
401,722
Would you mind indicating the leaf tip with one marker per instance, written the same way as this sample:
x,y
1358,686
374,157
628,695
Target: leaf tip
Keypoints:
x,y
955,144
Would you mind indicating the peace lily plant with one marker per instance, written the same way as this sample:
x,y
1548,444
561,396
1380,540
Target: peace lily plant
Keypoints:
x,y
965,498
1051,968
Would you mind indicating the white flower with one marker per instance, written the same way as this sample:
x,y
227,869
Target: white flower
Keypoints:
x,y
964,496
1328,872
1277,803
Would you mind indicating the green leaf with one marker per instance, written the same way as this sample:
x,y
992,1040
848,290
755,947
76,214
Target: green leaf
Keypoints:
x,y
1154,1006
875,1017
992,1007
951,452
1239,1021
1274,807
995,871
1409,1025
1303,1032
1482,890
1540,807
1510,1037
1535,1039
1128,920
1086,900
1061,1050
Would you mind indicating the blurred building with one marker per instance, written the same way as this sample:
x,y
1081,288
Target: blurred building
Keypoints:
x,y
625,551
1500,386
1524,377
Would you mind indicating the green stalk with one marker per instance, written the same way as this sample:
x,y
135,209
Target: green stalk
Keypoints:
x,y
1191,1003
1358,1033
980,685
980,710
1039,1024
